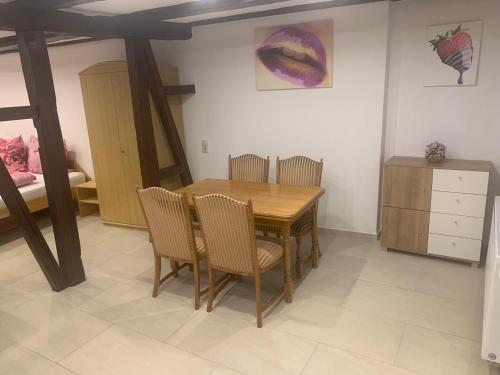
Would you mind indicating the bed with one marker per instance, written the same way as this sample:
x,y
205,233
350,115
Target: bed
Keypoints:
x,y
35,194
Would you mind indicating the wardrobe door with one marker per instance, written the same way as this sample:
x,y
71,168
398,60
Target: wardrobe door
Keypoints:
x,y
102,124
128,143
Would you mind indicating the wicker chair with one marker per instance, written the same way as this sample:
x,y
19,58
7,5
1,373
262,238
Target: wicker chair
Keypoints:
x,y
229,234
249,168
172,235
300,170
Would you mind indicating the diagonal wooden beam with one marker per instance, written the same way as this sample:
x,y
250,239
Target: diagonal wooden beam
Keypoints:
x,y
24,219
19,18
167,120
194,8
40,86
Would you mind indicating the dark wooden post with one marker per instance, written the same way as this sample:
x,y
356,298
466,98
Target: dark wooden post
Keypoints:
x,y
23,218
146,145
38,77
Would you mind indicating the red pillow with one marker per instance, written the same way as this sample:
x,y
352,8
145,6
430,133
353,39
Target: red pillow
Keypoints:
x,y
13,154
34,162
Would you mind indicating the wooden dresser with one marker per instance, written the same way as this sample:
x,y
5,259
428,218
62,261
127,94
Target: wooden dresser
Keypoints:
x,y
436,209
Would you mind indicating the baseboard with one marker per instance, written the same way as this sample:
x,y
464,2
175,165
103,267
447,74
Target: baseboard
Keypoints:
x,y
347,233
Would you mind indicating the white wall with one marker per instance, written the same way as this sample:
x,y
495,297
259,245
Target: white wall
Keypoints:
x,y
66,62
466,119
342,125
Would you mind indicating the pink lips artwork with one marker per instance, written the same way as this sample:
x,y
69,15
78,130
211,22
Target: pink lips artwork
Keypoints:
x,y
294,55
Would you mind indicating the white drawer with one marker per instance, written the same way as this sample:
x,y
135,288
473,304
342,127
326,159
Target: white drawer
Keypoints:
x,y
456,247
458,203
471,182
454,225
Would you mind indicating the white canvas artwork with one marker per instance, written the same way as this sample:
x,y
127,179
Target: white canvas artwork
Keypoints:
x,y
452,54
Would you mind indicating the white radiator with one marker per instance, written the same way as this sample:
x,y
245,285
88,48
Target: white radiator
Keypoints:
x,y
491,320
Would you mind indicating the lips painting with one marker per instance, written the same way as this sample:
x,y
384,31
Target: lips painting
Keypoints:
x,y
294,56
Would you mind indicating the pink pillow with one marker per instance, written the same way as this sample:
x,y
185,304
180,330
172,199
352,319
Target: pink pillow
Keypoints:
x,y
22,178
13,154
34,162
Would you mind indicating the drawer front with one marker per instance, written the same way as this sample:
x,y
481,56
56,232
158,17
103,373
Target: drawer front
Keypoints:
x,y
471,182
458,226
458,203
456,247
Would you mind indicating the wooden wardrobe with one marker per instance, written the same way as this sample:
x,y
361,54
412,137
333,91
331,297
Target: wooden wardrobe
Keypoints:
x,y
111,130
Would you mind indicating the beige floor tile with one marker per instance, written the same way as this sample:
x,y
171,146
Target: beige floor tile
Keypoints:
x,y
51,328
442,314
17,360
427,352
241,346
393,273
122,351
95,284
133,307
221,370
318,320
328,361
93,256
17,267
4,342
126,242
453,280
11,297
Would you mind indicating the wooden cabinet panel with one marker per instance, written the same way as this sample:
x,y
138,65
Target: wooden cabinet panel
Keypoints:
x,y
406,187
106,147
112,135
405,229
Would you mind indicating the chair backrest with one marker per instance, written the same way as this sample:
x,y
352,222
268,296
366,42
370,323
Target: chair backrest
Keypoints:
x,y
169,223
229,233
249,168
299,170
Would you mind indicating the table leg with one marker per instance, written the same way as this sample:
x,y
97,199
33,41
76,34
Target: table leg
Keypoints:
x,y
314,234
285,232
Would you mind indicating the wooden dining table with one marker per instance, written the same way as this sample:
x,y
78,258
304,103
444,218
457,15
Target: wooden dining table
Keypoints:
x,y
274,205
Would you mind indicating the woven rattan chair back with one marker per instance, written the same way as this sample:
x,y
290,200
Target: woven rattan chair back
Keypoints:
x,y
229,233
169,223
248,168
299,170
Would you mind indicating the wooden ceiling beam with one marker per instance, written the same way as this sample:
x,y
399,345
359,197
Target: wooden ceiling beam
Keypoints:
x,y
19,18
284,10
194,8
51,4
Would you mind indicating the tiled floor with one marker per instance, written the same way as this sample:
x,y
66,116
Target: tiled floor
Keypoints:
x,y
364,311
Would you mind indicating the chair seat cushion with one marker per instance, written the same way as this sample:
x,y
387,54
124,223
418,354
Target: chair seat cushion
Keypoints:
x,y
200,245
268,253
302,225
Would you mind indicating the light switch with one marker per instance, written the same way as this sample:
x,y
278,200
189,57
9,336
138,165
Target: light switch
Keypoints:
x,y
204,146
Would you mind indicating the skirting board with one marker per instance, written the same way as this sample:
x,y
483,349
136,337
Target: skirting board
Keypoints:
x,y
347,233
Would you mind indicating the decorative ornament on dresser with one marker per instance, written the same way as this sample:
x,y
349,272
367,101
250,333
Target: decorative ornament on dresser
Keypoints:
x,y
435,152
452,55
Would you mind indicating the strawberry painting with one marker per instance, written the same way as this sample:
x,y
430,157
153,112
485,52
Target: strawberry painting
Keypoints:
x,y
457,47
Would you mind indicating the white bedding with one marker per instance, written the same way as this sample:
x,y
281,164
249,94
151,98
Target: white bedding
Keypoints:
x,y
37,188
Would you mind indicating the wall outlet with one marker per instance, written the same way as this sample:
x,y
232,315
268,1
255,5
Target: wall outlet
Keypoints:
x,y
204,146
